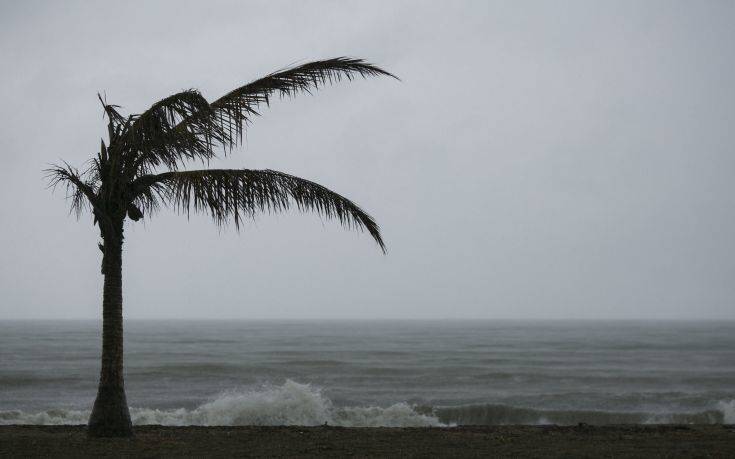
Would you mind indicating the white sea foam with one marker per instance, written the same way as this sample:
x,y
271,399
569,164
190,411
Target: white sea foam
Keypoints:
x,y
293,403
289,404
50,417
728,411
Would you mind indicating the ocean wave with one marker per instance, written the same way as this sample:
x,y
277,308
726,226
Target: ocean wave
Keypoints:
x,y
293,403
509,415
289,404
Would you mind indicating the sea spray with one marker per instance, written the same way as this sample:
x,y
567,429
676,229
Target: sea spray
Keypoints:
x,y
728,411
289,404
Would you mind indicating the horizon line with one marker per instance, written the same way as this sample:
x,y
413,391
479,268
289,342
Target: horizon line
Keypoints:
x,y
379,319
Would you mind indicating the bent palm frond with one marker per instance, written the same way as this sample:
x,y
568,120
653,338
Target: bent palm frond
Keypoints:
x,y
238,193
81,192
153,140
235,109
186,127
117,123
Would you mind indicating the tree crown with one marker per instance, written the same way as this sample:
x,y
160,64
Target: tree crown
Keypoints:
x,y
139,169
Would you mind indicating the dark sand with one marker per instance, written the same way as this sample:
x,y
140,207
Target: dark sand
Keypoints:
x,y
503,441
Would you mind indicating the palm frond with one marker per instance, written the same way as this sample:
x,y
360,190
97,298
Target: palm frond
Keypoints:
x,y
185,127
81,192
153,141
116,122
236,109
227,194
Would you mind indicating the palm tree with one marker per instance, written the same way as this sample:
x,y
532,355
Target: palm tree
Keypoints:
x,y
139,170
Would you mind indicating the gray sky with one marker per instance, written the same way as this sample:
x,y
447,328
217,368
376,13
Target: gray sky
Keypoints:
x,y
539,159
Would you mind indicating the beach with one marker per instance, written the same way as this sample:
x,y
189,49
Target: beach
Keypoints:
x,y
327,441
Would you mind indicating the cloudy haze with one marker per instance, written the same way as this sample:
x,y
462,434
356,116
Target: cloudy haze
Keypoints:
x,y
538,160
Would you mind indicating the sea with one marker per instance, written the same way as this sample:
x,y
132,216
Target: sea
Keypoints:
x,y
377,373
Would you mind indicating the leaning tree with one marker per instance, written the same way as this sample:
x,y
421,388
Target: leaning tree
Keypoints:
x,y
140,169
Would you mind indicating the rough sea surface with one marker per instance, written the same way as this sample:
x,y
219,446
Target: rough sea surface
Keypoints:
x,y
377,373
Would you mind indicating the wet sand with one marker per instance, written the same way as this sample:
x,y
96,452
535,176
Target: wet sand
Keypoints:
x,y
496,441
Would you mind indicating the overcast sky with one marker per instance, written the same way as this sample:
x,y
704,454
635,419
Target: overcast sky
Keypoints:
x,y
538,160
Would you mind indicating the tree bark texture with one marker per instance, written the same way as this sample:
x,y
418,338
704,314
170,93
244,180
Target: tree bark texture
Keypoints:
x,y
110,415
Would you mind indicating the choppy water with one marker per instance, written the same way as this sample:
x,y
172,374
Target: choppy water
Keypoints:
x,y
378,373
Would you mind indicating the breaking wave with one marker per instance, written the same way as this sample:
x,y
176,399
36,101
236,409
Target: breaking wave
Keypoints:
x,y
723,413
289,404
302,404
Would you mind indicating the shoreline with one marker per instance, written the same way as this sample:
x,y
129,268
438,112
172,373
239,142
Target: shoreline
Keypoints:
x,y
663,440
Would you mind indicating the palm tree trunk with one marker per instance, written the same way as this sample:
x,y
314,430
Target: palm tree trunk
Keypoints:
x,y
110,416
